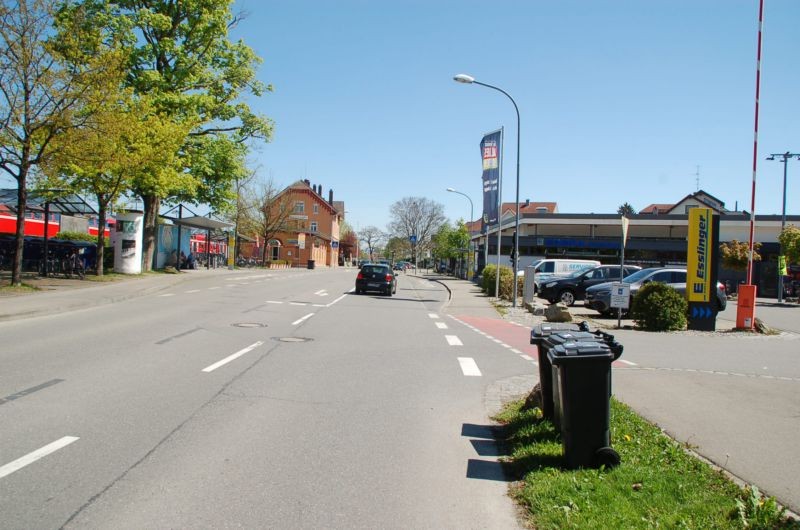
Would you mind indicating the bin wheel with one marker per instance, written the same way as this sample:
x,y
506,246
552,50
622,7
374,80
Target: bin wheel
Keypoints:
x,y
606,456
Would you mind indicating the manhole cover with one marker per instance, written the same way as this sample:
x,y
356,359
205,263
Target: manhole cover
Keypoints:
x,y
292,339
249,325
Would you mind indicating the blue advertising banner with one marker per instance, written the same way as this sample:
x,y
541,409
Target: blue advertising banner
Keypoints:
x,y
490,155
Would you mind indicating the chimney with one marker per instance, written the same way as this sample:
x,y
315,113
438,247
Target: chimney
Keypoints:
x,y
330,196
308,182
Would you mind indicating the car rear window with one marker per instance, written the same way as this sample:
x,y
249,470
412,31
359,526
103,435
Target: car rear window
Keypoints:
x,y
375,269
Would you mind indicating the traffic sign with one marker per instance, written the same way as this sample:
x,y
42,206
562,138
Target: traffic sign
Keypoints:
x,y
413,239
620,295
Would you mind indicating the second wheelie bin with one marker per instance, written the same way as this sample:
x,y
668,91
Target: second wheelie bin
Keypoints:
x,y
539,335
582,374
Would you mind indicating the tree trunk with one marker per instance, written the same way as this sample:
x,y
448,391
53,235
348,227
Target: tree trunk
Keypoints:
x,y
22,203
151,206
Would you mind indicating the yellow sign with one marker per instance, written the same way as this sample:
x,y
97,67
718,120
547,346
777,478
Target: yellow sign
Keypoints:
x,y
698,256
231,249
782,270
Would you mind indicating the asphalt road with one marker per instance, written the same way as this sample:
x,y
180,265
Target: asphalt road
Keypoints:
x,y
271,400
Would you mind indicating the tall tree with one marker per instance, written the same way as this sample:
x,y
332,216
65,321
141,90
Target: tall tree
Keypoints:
x,y
373,237
626,209
183,58
418,217
734,254
42,86
272,209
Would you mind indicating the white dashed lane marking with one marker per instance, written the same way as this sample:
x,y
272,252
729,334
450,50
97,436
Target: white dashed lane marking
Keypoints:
x,y
441,325
30,458
230,358
299,320
469,367
433,315
452,340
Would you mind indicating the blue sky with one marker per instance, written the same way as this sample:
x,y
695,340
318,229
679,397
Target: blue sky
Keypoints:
x,y
619,100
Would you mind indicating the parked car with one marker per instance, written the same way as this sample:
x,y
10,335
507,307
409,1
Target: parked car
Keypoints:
x,y
598,297
376,277
544,270
573,287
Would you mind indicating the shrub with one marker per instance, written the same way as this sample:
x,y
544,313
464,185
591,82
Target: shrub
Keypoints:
x,y
659,307
489,275
79,236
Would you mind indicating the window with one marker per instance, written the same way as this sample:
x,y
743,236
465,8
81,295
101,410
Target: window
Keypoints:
x,y
548,266
299,207
316,208
689,207
276,252
314,224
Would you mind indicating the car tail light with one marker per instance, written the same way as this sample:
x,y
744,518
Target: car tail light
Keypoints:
x,y
360,276
389,277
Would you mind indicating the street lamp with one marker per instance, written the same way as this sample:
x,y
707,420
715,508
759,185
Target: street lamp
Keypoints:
x,y
471,217
785,159
469,80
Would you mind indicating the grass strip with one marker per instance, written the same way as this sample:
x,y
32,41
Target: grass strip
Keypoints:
x,y
657,485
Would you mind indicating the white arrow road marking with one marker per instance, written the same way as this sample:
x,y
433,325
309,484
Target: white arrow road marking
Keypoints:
x,y
296,322
30,458
230,358
469,367
452,340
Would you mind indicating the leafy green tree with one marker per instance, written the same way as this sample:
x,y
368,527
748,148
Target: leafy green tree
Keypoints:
x,y
734,254
790,243
181,56
626,210
45,71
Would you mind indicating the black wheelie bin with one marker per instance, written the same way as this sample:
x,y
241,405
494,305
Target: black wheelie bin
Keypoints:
x,y
539,335
582,375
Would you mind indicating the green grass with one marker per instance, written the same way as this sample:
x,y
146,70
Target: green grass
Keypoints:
x,y
657,485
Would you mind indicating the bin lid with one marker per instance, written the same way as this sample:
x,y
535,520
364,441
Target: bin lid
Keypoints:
x,y
541,331
580,351
579,336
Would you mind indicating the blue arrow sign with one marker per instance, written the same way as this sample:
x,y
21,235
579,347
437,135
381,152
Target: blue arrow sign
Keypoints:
x,y
701,312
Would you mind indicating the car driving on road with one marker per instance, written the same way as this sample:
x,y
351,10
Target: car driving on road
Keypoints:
x,y
376,277
573,287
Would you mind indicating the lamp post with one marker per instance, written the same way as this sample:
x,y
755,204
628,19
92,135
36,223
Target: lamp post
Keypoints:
x,y
471,213
785,159
469,80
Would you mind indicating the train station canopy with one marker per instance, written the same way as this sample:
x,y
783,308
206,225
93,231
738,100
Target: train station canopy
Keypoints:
x,y
66,204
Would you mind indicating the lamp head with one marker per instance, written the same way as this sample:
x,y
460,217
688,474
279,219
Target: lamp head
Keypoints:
x,y
464,78
771,157
451,189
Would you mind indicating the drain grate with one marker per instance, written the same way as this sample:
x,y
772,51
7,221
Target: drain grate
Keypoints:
x,y
293,339
249,325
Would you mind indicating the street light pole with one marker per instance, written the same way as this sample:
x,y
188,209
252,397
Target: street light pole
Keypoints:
x,y
785,159
466,79
469,231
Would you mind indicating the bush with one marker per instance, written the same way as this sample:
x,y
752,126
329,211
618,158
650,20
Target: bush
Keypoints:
x,y
659,307
79,236
489,275
506,281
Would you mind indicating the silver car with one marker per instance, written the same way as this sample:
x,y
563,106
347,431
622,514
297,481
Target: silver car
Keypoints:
x,y
598,297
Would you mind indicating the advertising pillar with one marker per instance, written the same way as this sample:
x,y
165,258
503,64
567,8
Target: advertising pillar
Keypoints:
x,y
129,230
702,258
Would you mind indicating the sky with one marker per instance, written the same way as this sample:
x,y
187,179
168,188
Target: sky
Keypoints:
x,y
619,101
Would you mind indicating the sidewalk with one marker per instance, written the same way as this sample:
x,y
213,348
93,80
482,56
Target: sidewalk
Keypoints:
x,y
59,295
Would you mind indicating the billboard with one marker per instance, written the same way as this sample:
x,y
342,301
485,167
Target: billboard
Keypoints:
x,y
698,256
490,157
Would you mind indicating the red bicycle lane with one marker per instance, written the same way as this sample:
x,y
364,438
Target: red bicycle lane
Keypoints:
x,y
517,336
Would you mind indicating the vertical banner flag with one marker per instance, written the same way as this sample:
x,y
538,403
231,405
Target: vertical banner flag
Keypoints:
x,y
490,154
698,268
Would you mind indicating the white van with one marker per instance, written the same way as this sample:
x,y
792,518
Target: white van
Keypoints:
x,y
542,270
